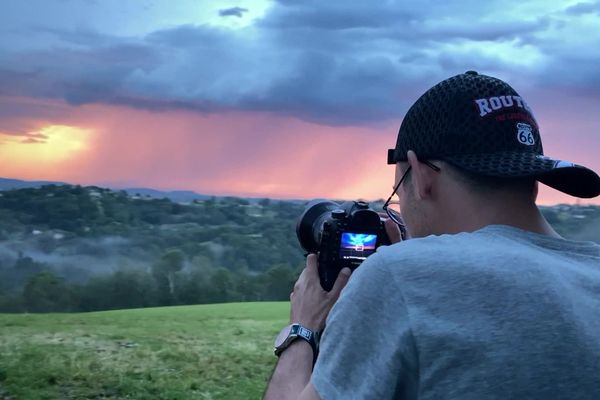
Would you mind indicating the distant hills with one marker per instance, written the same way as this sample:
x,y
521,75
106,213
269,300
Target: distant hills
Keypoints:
x,y
9,184
178,196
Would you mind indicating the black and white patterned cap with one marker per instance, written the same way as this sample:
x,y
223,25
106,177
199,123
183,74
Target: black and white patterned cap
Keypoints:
x,y
481,124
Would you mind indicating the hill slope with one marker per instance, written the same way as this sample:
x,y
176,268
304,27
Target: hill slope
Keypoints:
x,y
183,196
220,351
10,184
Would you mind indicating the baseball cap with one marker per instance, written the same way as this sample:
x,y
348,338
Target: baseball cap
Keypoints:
x,y
482,125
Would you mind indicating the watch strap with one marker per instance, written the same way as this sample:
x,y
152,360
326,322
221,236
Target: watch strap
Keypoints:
x,y
300,332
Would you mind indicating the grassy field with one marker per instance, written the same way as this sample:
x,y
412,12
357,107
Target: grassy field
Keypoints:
x,y
221,351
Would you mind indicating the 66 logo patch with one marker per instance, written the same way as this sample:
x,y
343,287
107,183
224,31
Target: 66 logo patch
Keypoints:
x,y
525,134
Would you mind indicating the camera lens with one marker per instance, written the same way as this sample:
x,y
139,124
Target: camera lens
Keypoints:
x,y
310,225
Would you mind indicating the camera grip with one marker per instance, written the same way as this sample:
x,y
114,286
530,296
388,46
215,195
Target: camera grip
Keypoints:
x,y
327,272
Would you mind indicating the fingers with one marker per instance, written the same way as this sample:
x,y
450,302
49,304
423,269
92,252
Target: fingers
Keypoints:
x,y
311,263
340,282
393,231
309,270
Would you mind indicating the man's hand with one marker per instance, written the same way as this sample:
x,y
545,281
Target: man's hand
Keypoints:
x,y
310,303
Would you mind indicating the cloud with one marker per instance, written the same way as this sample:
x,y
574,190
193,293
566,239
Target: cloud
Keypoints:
x,y
334,16
584,8
30,140
233,12
20,116
332,63
37,136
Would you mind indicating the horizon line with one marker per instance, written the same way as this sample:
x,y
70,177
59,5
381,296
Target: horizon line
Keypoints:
x,y
116,186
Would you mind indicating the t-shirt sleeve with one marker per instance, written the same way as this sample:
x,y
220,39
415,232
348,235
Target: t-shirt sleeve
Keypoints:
x,y
367,350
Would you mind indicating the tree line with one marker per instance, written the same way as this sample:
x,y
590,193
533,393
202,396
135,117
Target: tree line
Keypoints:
x,y
73,248
168,282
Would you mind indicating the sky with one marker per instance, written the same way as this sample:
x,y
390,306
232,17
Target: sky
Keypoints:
x,y
264,98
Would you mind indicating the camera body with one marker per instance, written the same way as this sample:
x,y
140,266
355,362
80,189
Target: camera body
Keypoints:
x,y
343,235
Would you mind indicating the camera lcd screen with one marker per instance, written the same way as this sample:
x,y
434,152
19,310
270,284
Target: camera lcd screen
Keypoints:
x,y
357,246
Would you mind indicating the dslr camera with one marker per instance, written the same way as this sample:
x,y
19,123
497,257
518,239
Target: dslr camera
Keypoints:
x,y
343,235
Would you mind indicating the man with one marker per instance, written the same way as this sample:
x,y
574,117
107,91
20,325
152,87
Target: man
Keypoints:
x,y
486,301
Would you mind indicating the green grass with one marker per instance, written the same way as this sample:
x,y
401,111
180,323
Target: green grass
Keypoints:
x,y
221,351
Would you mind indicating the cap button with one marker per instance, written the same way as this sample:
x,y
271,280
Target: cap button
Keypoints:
x,y
471,73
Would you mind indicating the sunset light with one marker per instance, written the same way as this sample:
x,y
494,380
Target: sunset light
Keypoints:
x,y
46,148
273,99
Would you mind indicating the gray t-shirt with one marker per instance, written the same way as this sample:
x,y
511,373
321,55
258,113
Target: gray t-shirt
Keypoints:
x,y
500,313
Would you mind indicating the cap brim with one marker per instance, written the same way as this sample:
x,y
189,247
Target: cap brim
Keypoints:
x,y
569,178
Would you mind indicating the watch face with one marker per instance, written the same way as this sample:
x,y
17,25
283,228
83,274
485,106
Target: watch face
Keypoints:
x,y
285,332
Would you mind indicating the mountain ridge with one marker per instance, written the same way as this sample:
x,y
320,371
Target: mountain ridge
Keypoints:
x,y
180,196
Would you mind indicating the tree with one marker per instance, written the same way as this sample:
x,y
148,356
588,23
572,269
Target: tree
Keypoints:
x,y
164,271
193,287
23,269
279,283
266,202
248,286
222,286
46,292
10,302
130,289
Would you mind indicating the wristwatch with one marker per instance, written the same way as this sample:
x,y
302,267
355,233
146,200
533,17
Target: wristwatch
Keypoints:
x,y
293,332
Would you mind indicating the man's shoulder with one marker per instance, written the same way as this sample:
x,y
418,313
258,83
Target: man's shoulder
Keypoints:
x,y
450,255
433,247
488,252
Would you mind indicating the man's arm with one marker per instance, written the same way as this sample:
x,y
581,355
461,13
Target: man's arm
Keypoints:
x,y
291,377
310,305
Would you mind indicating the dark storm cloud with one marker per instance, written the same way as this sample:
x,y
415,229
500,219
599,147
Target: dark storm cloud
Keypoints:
x,y
333,62
190,36
79,76
233,12
18,115
78,36
330,16
364,90
584,8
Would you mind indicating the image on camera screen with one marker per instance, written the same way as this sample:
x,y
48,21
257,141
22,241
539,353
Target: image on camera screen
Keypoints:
x,y
357,246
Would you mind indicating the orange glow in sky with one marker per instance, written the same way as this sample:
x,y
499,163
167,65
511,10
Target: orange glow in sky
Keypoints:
x,y
234,153
52,148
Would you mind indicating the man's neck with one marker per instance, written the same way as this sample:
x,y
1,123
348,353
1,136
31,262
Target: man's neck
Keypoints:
x,y
522,215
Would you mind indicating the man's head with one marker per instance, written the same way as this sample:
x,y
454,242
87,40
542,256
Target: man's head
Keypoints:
x,y
436,197
485,143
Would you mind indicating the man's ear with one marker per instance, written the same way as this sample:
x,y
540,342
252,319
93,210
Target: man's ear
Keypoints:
x,y
421,180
